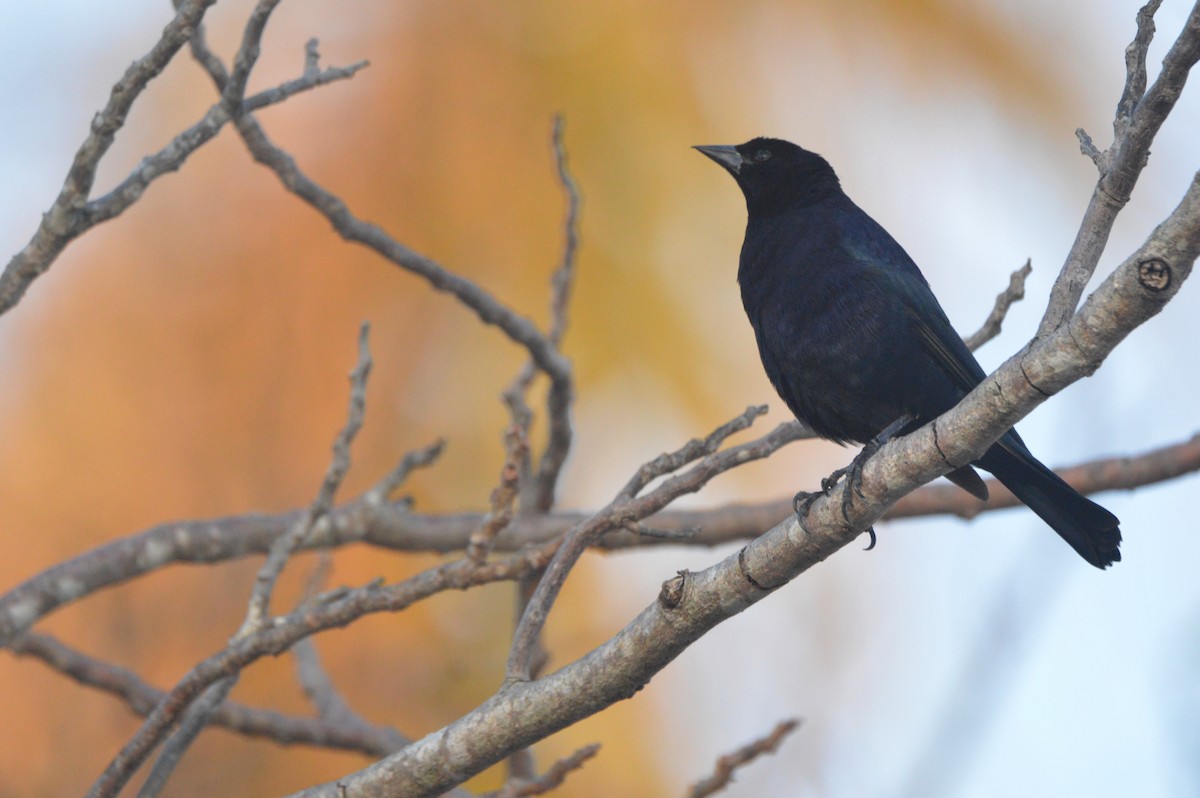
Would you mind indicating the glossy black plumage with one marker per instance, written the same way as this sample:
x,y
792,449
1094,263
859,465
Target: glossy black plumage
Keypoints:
x,y
853,338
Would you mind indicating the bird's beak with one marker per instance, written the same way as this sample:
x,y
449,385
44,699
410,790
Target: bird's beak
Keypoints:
x,y
725,155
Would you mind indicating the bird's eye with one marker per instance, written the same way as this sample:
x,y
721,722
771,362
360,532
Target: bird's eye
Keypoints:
x,y
762,155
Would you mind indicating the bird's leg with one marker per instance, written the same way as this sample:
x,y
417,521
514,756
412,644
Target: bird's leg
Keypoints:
x,y
854,471
853,474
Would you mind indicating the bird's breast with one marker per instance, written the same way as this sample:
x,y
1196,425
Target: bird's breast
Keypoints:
x,y
833,348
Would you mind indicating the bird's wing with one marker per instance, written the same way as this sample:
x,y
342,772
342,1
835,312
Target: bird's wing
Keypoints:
x,y
888,263
947,349
952,355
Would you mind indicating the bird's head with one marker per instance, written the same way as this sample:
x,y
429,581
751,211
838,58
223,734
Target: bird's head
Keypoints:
x,y
776,175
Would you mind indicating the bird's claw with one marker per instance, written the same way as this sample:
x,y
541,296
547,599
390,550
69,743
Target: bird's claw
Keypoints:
x,y
802,501
870,531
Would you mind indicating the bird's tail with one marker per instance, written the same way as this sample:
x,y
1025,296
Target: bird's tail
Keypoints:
x,y
1090,529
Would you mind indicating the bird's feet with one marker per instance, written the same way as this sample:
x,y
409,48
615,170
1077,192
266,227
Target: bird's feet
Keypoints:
x,y
803,500
853,475
800,504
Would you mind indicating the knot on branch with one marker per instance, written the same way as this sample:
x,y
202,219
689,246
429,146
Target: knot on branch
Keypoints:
x,y
1154,274
671,595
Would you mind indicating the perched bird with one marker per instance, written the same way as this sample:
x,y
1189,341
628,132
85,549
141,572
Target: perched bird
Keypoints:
x,y
854,340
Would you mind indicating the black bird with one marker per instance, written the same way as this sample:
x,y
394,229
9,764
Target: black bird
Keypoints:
x,y
854,340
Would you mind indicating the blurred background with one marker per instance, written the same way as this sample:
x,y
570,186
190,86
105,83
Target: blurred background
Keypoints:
x,y
188,360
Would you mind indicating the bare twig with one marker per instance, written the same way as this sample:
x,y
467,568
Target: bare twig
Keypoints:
x,y
196,716
722,775
691,451
72,214
1135,69
551,779
1088,147
283,548
539,491
194,721
316,682
374,741
391,482
247,54
561,393
521,764
59,223
564,278
1015,292
173,155
503,498
330,705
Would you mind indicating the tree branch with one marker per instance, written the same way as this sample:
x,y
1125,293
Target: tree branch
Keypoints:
x,y
198,708
503,497
1139,116
72,214
58,224
171,157
336,609
551,779
1015,292
561,393
628,508
489,310
374,741
722,775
